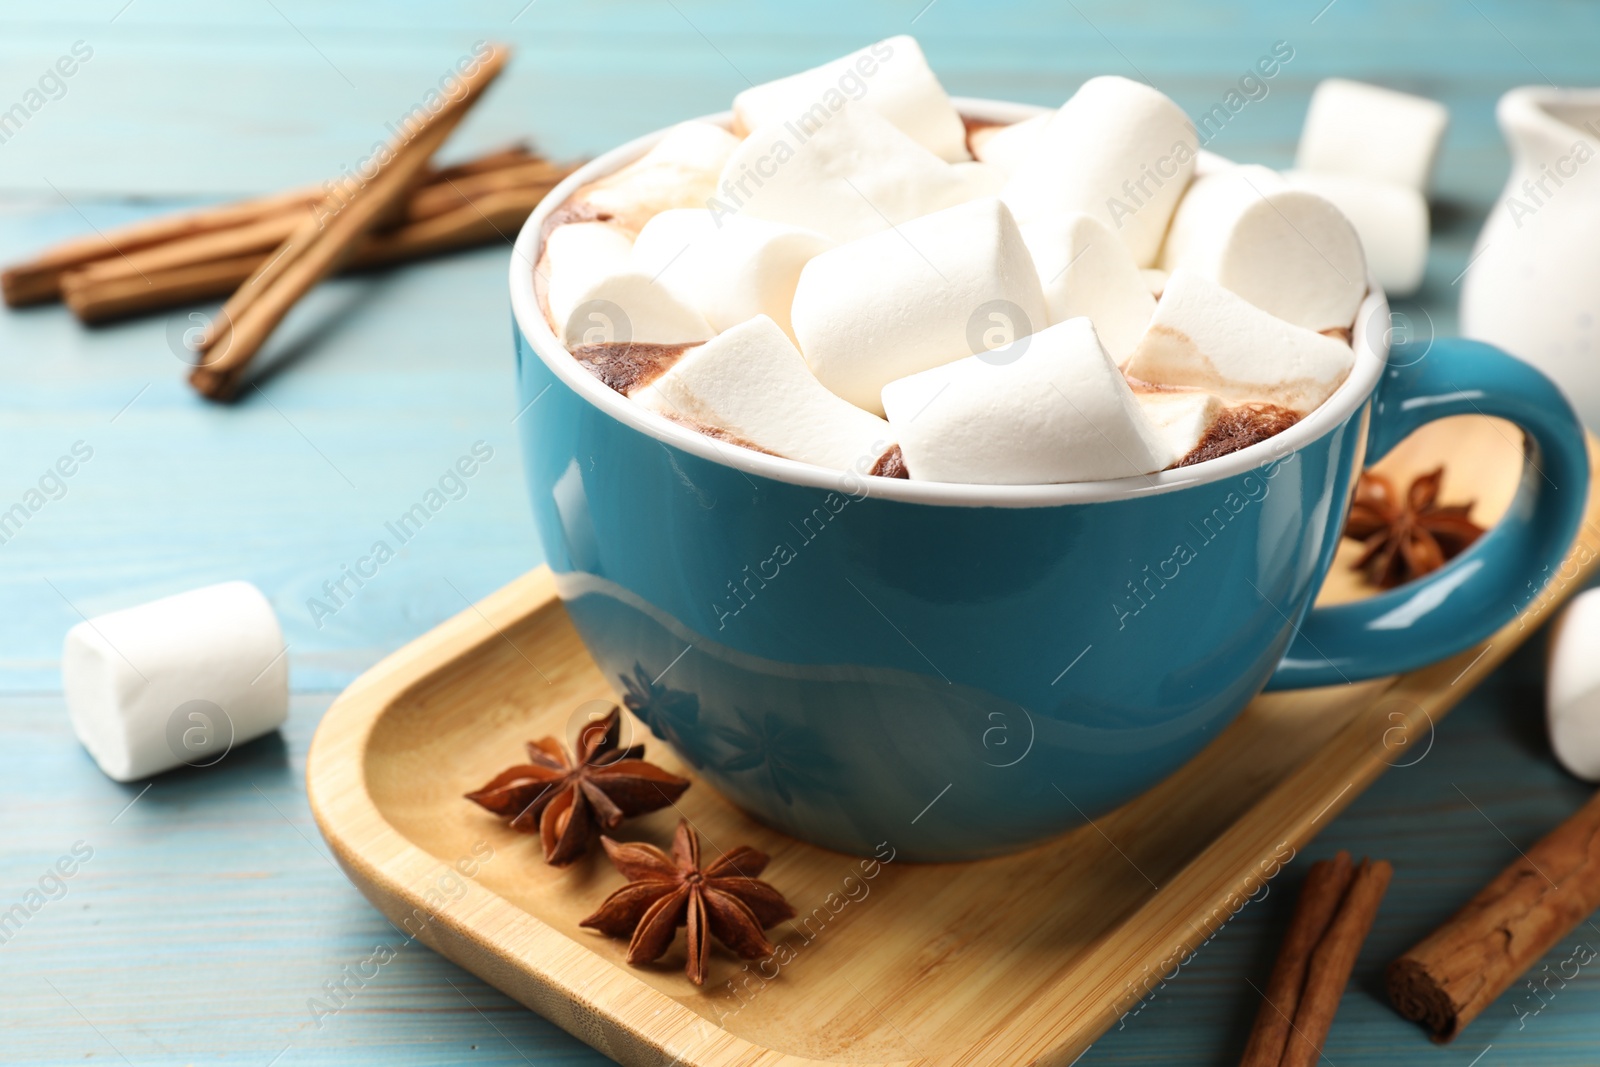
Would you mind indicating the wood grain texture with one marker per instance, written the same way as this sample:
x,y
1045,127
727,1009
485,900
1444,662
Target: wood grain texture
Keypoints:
x,y
1022,959
391,377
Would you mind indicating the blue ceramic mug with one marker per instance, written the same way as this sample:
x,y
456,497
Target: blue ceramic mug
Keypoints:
x,y
965,670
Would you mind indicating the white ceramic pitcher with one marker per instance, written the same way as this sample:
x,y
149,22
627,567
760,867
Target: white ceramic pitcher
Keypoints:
x,y
1533,287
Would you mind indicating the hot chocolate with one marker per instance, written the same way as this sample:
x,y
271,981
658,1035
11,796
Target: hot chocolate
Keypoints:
x,y
856,277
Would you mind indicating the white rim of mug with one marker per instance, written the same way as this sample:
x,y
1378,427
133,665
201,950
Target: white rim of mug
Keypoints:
x,y
1355,390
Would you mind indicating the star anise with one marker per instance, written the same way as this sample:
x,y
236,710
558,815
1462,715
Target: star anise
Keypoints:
x,y
725,900
569,800
1406,537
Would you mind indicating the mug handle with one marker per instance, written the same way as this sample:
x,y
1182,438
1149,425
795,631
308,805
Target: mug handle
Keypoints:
x,y
1478,592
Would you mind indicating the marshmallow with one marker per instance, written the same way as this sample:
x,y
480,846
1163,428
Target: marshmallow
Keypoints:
x,y
1370,132
680,170
934,290
981,179
1118,150
1008,147
1086,271
1287,251
891,77
1572,694
1047,408
729,273
752,383
1206,337
1181,418
176,681
1391,220
854,174
594,295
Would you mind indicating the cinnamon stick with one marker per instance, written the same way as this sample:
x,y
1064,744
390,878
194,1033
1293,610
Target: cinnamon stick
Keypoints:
x,y
1453,974
258,236
1332,962
511,155
318,246
38,280
1320,898
447,194
108,290
95,299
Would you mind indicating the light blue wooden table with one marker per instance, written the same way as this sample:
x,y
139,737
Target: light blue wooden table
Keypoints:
x,y
210,913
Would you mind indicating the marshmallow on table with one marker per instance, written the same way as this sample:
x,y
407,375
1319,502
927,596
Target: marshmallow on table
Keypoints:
x,y
729,273
1572,692
176,681
1007,147
1287,251
1181,417
680,170
934,290
1371,132
891,77
1206,337
594,295
1118,150
1086,271
1047,408
1391,220
751,382
852,175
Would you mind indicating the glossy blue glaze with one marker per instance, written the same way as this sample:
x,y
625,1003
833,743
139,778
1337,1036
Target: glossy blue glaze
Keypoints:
x,y
837,663
1501,575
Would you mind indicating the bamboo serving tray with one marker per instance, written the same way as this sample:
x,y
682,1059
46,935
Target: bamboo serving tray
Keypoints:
x,y
1025,959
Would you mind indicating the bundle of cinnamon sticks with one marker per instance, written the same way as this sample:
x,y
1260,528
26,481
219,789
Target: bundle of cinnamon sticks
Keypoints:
x,y
197,255
1330,923
269,251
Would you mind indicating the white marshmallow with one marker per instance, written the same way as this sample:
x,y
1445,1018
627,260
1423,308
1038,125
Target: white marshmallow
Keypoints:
x,y
672,246
1047,408
680,170
981,179
178,680
931,291
1206,337
1391,220
576,256
752,383
891,77
1086,271
1118,150
1008,147
732,273
854,175
1572,692
1287,251
1365,130
1181,418
594,295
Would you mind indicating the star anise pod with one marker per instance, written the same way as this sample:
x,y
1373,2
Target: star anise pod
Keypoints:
x,y
1406,537
725,901
569,799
